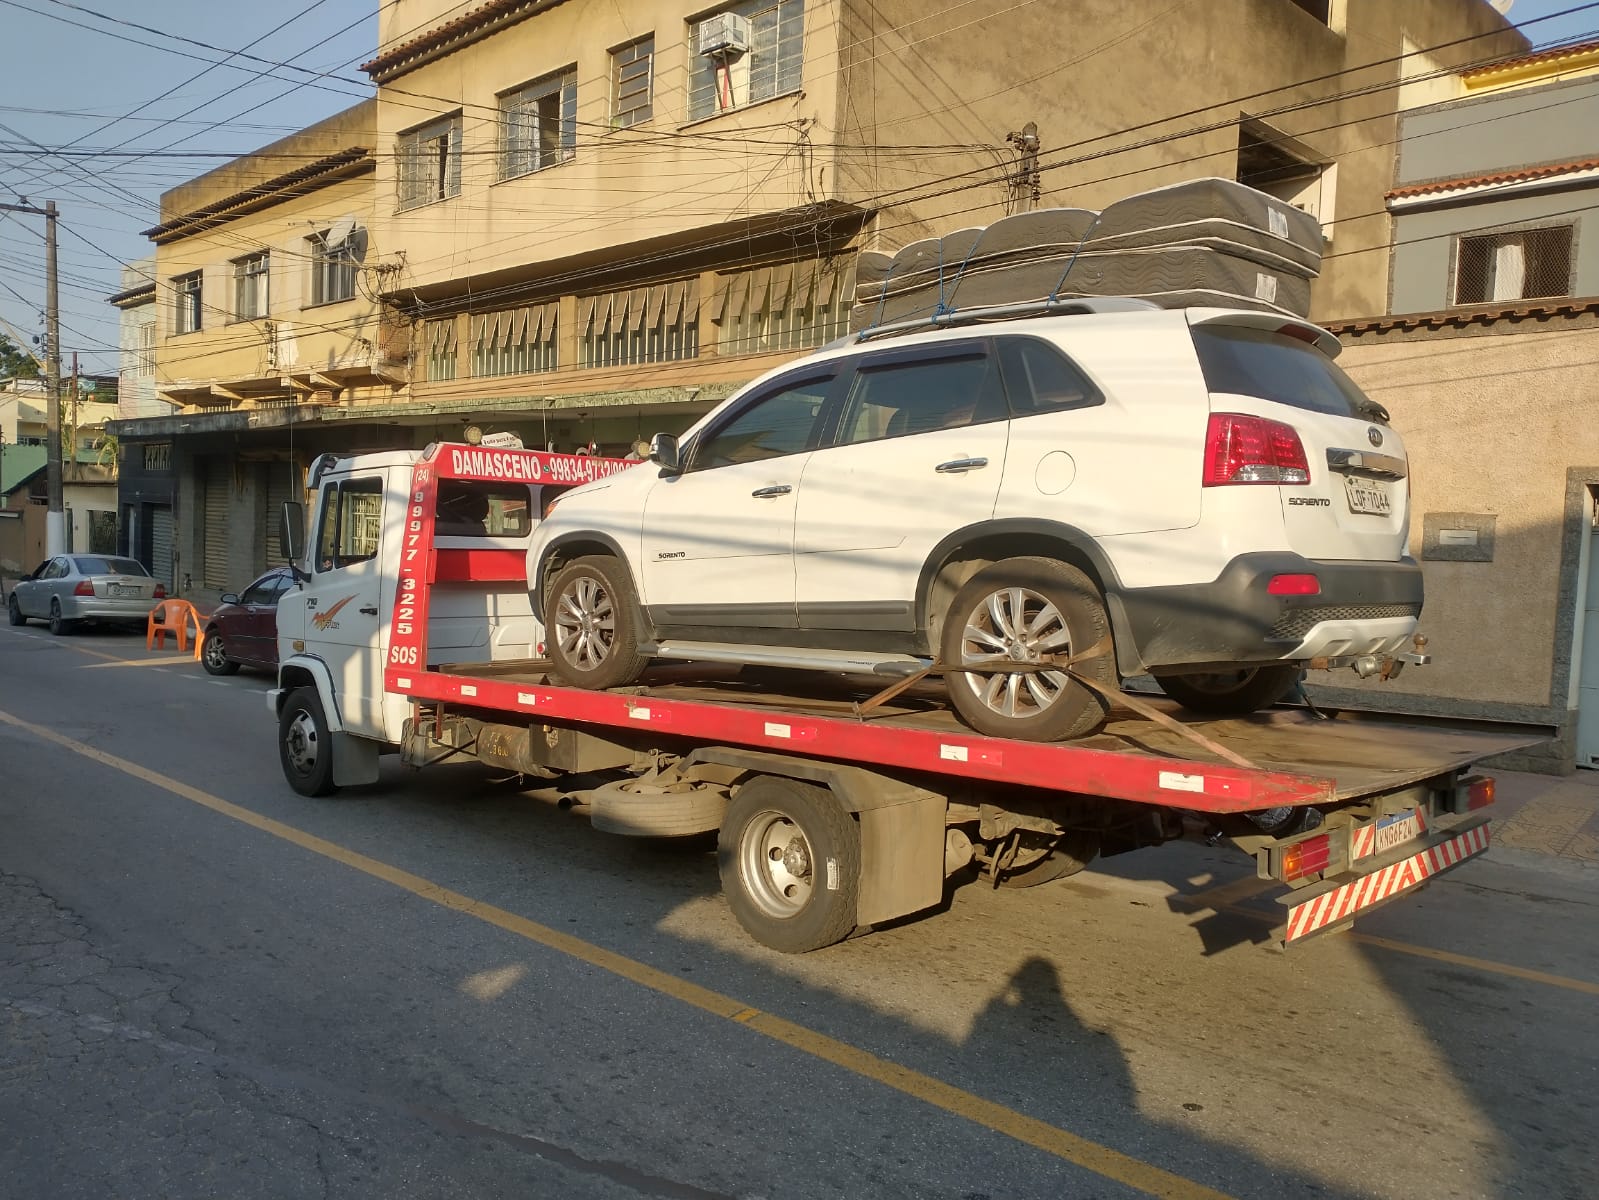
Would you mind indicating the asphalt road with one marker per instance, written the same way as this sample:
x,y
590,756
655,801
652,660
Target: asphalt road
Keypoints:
x,y
441,986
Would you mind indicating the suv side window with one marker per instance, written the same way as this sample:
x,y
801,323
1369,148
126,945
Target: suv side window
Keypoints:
x,y
1040,379
784,422
905,397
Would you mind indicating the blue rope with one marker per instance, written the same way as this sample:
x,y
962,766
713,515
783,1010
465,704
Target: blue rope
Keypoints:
x,y
1054,293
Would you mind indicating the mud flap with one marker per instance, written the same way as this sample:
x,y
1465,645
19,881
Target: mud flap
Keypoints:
x,y
355,759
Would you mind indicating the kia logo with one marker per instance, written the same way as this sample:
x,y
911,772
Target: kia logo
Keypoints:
x,y
1375,435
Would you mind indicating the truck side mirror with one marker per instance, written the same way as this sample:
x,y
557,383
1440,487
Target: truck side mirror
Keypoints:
x,y
291,531
665,454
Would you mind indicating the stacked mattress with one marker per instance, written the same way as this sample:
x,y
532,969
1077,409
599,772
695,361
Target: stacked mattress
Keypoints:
x,y
1202,242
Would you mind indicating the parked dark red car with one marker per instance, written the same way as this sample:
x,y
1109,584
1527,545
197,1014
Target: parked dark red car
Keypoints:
x,y
243,631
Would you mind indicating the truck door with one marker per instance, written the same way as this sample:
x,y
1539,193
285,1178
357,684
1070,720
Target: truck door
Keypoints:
x,y
344,611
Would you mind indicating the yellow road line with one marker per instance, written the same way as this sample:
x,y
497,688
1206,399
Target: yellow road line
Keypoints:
x,y
1102,1160
166,661
1466,960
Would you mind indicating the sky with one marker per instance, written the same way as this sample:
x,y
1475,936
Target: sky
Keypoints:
x,y
128,113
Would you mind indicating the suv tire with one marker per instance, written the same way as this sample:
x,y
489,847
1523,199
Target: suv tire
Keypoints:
x,y
1061,614
1231,693
591,625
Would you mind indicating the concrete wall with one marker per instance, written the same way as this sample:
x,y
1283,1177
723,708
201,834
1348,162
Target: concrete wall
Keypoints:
x,y
1426,243
1500,132
1113,75
1501,424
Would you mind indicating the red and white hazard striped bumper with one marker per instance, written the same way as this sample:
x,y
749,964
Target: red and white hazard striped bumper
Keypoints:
x,y
1338,901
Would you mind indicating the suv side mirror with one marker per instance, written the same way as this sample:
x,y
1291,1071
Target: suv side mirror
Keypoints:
x,y
291,531
665,454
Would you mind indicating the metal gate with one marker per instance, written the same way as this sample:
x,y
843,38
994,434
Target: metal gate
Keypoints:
x,y
282,485
161,544
218,505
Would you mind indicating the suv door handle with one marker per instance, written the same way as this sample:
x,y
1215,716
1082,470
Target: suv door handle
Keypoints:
x,y
370,610
956,465
777,489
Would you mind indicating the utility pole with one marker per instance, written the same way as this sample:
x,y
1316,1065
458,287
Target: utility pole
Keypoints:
x,y
1026,181
55,541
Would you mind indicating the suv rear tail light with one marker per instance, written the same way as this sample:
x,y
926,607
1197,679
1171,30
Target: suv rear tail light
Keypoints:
x,y
1293,585
84,588
160,591
1243,449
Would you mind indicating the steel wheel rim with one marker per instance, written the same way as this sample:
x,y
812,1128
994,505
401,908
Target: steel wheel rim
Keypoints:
x,y
777,865
301,743
585,623
214,653
1015,625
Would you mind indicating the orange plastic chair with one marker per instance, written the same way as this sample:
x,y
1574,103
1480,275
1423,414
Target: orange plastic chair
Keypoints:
x,y
173,616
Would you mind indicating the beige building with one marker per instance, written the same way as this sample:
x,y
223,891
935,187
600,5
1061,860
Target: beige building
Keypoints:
x,y
612,214
1488,360
270,344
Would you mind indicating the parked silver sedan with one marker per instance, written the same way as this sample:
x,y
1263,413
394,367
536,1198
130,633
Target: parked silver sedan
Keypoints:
x,y
84,587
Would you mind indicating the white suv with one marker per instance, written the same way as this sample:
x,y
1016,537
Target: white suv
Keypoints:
x,y
1200,495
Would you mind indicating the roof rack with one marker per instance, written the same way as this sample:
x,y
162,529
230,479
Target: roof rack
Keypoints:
x,y
1054,307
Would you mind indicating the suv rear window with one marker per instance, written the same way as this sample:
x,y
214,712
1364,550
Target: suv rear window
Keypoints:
x,y
1273,366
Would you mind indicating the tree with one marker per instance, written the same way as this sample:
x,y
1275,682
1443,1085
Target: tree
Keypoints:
x,y
15,362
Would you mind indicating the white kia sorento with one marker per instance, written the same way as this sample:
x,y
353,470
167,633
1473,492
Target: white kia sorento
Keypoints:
x,y
1116,490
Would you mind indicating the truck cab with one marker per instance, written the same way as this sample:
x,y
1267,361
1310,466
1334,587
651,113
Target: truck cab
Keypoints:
x,y
337,623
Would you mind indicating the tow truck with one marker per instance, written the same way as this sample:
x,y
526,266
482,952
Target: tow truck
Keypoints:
x,y
838,805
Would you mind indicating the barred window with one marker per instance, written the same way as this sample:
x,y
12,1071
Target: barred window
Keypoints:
x,y
632,70
538,124
516,341
787,307
144,362
659,323
770,67
332,268
1527,264
438,341
429,162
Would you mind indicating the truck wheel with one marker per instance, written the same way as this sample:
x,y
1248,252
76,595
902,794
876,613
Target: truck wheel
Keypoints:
x,y
790,859
1019,611
305,744
214,655
1231,693
1043,862
591,623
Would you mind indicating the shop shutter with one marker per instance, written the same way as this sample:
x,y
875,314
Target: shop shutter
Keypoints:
x,y
281,487
218,504
161,544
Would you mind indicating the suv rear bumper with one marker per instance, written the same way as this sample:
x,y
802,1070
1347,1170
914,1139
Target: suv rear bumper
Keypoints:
x,y
1363,607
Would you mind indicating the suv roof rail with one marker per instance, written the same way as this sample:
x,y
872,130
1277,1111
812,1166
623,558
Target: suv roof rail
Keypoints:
x,y
1055,307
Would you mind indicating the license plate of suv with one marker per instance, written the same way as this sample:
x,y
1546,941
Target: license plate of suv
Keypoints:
x,y
1367,497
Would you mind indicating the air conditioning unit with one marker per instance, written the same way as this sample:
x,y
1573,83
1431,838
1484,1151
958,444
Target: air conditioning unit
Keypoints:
x,y
725,33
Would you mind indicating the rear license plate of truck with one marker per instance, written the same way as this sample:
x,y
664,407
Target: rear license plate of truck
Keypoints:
x,y
1397,830
1367,497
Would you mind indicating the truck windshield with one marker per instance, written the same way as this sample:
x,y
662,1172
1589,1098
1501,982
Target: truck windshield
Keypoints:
x,y
1273,366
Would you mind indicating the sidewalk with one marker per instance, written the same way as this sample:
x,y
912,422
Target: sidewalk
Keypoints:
x,y
1548,814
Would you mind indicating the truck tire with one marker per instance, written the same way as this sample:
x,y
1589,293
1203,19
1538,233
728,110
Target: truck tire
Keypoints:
x,y
591,625
790,860
305,744
634,810
1021,608
1071,854
1231,693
